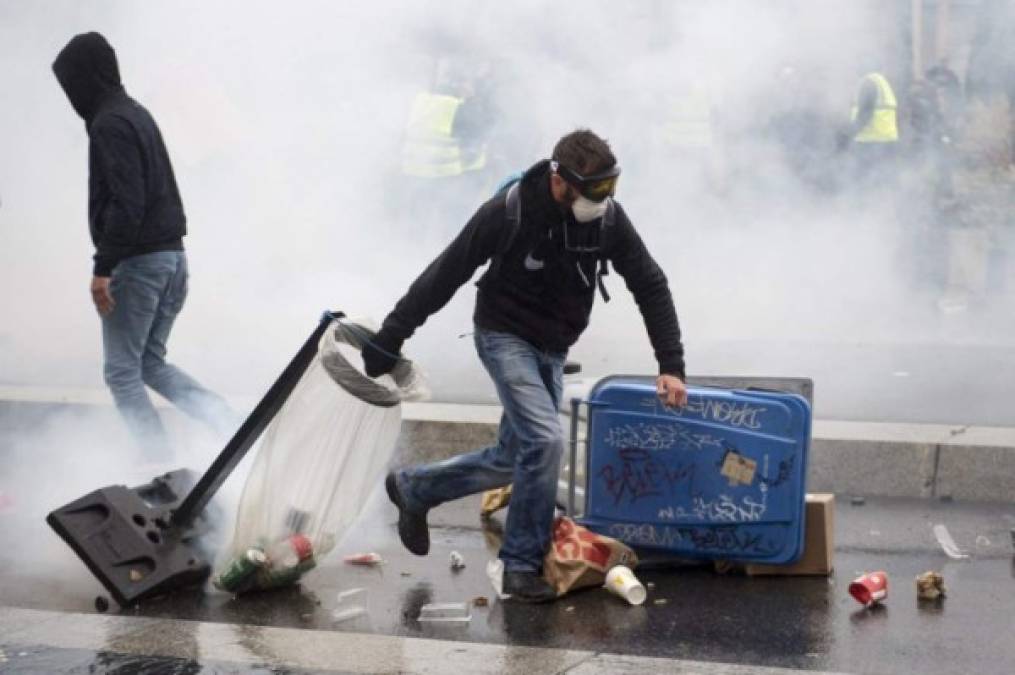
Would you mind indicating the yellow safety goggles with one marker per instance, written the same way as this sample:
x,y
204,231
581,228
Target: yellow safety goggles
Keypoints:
x,y
597,187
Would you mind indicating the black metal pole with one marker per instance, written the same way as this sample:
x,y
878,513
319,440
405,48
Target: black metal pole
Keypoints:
x,y
251,428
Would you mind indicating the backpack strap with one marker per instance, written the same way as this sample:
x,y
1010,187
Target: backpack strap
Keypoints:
x,y
605,226
512,221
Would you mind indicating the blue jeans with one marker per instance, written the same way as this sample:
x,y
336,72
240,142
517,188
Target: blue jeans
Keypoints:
x,y
530,442
149,291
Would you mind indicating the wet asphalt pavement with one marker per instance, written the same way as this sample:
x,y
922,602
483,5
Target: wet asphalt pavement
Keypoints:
x,y
691,612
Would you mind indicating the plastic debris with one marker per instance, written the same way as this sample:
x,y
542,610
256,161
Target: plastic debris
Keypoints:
x,y
982,541
621,581
650,585
948,545
569,608
135,575
480,601
350,604
447,612
660,601
495,572
930,586
101,604
363,559
457,561
857,501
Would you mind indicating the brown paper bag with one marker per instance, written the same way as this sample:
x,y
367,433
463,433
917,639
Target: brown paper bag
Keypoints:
x,y
579,558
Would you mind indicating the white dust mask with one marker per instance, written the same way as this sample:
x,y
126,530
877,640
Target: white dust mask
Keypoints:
x,y
585,210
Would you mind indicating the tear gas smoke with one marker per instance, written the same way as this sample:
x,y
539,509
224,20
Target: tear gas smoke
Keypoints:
x,y
285,126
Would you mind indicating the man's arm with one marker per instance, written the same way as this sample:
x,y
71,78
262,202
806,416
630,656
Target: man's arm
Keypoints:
x,y
647,282
118,160
476,243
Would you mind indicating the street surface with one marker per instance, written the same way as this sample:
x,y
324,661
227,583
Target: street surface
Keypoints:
x,y
691,613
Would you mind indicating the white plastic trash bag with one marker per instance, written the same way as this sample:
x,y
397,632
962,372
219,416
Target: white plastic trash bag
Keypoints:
x,y
318,461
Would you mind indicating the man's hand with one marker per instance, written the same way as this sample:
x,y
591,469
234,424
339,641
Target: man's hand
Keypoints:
x,y
672,391
380,354
101,296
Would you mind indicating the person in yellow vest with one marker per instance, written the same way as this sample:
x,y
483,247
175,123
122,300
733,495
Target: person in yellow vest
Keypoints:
x,y
873,133
444,164
446,132
435,146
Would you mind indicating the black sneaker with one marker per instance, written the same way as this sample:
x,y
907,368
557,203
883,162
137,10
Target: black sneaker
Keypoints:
x,y
528,587
412,527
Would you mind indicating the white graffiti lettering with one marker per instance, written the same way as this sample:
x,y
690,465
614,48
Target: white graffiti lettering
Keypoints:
x,y
649,436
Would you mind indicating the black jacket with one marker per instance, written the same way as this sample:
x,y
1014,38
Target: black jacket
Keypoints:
x,y
134,205
541,292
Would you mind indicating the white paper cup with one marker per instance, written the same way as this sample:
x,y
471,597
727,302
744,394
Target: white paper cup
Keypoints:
x,y
621,580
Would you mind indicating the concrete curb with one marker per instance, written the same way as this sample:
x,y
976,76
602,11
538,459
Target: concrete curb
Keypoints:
x,y
236,647
855,458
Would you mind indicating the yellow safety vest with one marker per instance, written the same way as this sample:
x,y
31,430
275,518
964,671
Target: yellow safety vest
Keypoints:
x,y
882,127
431,150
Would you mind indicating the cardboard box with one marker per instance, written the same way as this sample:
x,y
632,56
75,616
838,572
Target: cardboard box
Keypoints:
x,y
819,541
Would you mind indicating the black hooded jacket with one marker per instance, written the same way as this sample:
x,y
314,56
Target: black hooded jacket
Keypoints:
x,y
541,292
134,206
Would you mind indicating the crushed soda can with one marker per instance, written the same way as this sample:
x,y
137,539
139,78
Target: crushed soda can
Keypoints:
x,y
363,559
930,586
240,573
457,561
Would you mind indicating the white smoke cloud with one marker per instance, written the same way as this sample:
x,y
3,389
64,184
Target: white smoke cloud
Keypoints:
x,y
284,123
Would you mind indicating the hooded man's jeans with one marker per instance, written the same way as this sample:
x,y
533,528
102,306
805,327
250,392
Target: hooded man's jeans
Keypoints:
x,y
529,446
149,291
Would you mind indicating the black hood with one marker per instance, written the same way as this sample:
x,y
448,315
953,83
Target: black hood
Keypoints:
x,y
87,70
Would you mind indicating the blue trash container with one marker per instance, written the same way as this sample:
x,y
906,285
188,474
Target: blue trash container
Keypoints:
x,y
722,478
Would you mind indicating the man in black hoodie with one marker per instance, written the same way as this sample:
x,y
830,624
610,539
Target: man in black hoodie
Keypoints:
x,y
533,303
137,224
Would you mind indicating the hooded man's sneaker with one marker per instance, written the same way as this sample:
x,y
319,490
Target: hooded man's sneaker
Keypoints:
x,y
412,527
528,587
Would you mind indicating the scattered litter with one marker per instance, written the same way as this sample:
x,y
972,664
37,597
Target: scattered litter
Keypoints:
x,y
480,601
982,541
660,601
930,586
948,544
857,501
621,581
363,559
446,612
650,585
406,574
495,572
870,589
101,604
569,608
457,561
135,575
350,604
